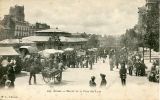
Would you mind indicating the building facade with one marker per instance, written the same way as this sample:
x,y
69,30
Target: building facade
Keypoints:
x,y
37,27
15,25
4,33
15,22
17,13
21,29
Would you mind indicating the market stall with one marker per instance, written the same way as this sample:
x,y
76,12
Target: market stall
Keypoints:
x,y
48,52
52,70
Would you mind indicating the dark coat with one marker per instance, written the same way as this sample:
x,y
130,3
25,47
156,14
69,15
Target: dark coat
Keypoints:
x,y
11,73
33,68
123,72
103,82
92,83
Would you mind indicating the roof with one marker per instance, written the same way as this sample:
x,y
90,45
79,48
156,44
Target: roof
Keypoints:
x,y
46,38
76,34
15,41
72,39
51,30
37,38
6,51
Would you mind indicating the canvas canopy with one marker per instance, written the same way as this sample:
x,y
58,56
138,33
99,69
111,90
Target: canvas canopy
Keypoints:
x,y
69,49
7,51
48,52
30,49
93,49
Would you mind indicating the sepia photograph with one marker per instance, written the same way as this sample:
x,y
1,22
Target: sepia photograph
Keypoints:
x,y
79,49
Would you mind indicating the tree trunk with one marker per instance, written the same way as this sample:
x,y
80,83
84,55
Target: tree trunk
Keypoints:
x,y
143,54
150,54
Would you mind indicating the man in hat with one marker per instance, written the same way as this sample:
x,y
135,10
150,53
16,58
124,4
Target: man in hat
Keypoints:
x,y
33,71
92,82
90,62
123,72
103,81
143,67
138,67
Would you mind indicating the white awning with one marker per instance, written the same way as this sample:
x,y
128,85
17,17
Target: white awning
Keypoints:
x,y
7,51
29,48
48,52
69,49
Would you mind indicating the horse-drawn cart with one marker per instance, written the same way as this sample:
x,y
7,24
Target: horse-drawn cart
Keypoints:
x,y
53,69
51,75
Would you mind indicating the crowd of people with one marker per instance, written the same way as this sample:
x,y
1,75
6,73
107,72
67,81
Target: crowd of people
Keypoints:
x,y
133,61
73,60
9,66
127,61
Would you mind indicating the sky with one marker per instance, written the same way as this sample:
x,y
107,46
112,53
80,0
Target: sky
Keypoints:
x,y
110,17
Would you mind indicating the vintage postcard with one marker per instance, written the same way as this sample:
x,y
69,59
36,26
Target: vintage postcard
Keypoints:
x,y
79,49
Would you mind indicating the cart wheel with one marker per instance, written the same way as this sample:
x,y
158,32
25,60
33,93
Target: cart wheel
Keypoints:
x,y
46,79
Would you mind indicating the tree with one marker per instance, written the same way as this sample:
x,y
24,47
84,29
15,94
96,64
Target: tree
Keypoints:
x,y
85,35
130,39
93,41
109,41
151,38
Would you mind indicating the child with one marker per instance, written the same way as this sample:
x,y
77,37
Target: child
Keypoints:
x,y
92,82
103,81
